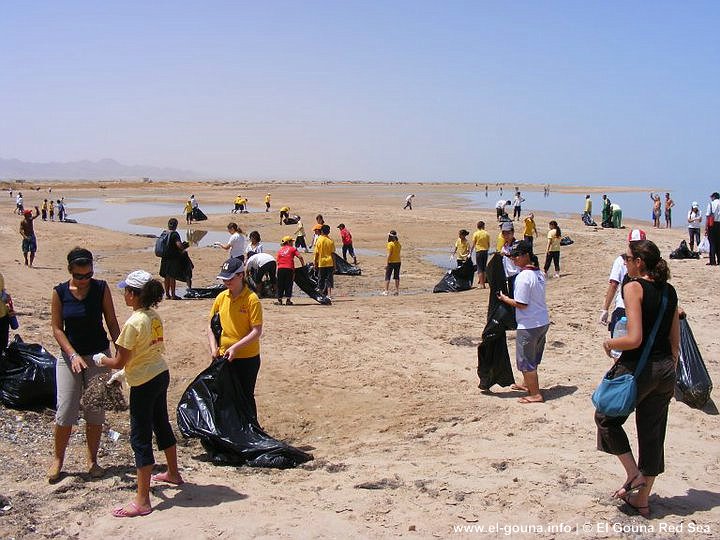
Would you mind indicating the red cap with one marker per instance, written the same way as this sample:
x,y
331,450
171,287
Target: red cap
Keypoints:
x,y
27,213
636,234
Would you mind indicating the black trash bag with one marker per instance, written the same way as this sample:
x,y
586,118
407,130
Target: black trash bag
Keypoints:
x,y
27,376
218,412
588,220
457,279
693,384
607,224
198,215
684,252
291,220
344,268
205,292
304,277
496,280
566,241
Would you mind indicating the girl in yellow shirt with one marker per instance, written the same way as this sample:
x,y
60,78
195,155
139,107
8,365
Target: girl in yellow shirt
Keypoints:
x,y
462,247
553,248
393,263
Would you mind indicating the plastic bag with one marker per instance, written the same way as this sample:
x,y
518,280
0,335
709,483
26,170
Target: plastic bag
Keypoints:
x,y
218,412
304,277
683,252
27,376
457,279
704,246
198,215
204,292
693,384
343,268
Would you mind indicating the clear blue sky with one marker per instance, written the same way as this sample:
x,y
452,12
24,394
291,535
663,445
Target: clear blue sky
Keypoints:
x,y
561,91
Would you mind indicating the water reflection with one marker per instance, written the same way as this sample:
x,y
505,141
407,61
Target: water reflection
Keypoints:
x,y
194,236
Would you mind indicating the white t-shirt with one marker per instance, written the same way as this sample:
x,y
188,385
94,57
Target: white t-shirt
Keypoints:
x,y
696,220
517,201
530,290
237,244
617,273
502,203
256,261
714,209
510,268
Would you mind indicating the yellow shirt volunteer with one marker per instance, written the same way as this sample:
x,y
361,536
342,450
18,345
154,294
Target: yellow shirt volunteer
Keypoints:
x,y
142,335
554,240
530,229
393,251
500,242
462,249
285,209
238,316
188,208
324,250
239,200
481,240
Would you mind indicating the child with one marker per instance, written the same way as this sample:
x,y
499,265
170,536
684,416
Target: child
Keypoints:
x,y
481,245
140,351
393,263
553,248
461,251
347,245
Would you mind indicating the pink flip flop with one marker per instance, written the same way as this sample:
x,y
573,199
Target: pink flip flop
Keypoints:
x,y
135,510
163,477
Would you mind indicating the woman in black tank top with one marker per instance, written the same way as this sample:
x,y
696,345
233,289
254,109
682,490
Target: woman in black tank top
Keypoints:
x,y
655,384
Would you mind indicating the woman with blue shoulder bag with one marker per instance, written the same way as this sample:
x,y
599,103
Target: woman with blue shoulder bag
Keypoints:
x,y
650,350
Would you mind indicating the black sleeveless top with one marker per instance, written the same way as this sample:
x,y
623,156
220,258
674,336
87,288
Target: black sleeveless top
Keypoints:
x,y
83,319
652,296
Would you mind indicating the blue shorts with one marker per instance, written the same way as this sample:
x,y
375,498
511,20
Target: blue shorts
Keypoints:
x,y
29,245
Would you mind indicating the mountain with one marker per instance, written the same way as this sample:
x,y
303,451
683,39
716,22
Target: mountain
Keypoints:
x,y
88,170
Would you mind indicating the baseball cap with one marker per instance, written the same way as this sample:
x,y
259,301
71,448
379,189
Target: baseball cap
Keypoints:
x,y
523,247
136,279
393,232
230,268
507,226
27,212
636,234
695,204
286,239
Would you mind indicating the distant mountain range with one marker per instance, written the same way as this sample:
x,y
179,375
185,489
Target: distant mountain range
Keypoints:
x,y
88,170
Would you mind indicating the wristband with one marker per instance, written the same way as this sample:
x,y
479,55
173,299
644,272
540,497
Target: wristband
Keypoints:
x,y
72,357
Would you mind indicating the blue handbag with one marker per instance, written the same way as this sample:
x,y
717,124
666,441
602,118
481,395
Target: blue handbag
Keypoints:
x,y
616,396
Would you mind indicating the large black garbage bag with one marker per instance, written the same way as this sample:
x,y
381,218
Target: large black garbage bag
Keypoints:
x,y
693,384
198,215
291,220
684,252
204,292
218,412
588,220
27,376
344,268
304,278
497,281
566,241
457,279
493,356
607,224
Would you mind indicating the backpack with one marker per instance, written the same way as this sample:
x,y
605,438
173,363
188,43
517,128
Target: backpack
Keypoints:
x,y
161,244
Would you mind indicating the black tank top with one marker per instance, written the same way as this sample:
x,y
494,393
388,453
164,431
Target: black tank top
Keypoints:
x,y
652,296
83,319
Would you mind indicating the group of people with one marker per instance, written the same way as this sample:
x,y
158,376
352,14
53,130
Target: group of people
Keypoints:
x,y
657,208
47,209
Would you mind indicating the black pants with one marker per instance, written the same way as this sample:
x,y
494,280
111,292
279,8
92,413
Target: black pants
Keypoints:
x,y
300,242
325,278
552,257
4,332
284,283
714,239
244,372
348,248
516,212
655,387
148,415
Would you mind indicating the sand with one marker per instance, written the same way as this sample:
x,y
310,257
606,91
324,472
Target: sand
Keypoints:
x,y
381,390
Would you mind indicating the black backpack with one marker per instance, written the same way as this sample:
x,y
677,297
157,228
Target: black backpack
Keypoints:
x,y
161,244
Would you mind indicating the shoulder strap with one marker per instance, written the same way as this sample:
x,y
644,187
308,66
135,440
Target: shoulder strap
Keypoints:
x,y
651,339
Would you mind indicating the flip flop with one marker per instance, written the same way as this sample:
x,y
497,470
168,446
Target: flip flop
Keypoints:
x,y
527,400
628,488
163,477
135,510
517,387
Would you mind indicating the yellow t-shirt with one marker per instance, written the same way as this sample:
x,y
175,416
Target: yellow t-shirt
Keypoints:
x,y
142,335
554,240
239,200
238,316
285,209
324,249
500,242
188,207
529,229
393,251
267,198
481,239
462,249
588,206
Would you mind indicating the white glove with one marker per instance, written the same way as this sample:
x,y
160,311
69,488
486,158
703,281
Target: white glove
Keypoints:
x,y
98,359
603,316
119,375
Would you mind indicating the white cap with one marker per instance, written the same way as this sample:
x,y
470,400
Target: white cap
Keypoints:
x,y
136,279
695,204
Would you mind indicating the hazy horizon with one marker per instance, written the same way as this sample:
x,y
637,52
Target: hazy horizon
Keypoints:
x,y
557,91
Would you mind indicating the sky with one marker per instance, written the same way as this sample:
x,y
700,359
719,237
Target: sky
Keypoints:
x,y
604,93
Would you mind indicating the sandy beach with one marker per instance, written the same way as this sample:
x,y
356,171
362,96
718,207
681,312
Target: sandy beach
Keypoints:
x,y
381,390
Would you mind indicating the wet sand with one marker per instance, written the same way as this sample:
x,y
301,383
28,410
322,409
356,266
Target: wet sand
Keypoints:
x,y
373,386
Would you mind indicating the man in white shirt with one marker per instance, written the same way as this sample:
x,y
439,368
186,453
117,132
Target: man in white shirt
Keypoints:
x,y
712,224
500,208
517,205
533,319
408,201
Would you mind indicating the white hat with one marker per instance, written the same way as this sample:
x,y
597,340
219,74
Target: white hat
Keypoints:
x,y
695,204
136,279
636,234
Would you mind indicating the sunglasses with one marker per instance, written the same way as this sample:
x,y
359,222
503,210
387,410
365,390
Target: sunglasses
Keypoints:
x,y
83,276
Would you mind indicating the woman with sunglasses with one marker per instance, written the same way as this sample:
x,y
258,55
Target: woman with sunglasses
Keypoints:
x,y
79,306
648,274
241,319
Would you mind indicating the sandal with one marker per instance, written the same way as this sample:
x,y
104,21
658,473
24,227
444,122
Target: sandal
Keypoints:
x,y
628,488
132,510
164,477
642,511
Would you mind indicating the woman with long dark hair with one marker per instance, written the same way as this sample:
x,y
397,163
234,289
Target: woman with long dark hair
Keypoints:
x,y
648,274
552,254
